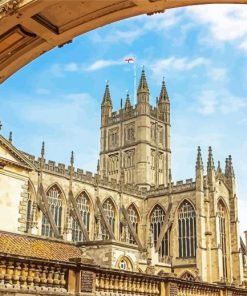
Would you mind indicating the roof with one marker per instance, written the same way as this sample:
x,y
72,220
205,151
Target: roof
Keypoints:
x,y
39,248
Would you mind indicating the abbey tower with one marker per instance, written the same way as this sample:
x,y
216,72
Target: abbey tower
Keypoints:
x,y
135,142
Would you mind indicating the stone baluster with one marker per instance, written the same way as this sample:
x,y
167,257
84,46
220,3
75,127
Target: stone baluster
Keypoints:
x,y
102,282
23,276
37,277
9,273
97,279
125,284
43,279
142,287
50,276
30,276
111,283
116,283
2,271
153,287
63,279
56,280
120,285
16,274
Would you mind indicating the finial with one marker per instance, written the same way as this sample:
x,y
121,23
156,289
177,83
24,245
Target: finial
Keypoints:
x,y
219,170
163,92
43,149
107,82
121,103
1,125
107,96
199,162
72,159
10,137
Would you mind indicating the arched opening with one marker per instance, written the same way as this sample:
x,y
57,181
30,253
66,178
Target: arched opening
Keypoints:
x,y
188,276
187,230
54,197
110,213
83,205
124,263
157,218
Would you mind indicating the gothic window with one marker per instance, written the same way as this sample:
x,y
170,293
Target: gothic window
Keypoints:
x,y
109,211
130,133
84,210
29,216
156,221
55,205
161,135
222,232
113,137
187,230
134,219
124,263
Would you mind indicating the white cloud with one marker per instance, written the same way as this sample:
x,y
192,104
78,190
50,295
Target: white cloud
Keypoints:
x,y
226,23
212,101
161,66
100,64
71,67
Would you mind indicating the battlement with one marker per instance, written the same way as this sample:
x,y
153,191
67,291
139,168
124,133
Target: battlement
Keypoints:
x,y
179,186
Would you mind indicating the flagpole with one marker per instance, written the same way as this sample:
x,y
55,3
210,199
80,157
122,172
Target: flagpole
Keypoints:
x,y
135,99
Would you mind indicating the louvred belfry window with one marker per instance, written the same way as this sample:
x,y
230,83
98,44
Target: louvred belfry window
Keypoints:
x,y
109,211
55,205
84,209
187,230
156,221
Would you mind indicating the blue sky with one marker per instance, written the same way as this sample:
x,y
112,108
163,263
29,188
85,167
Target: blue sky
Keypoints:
x,y
202,53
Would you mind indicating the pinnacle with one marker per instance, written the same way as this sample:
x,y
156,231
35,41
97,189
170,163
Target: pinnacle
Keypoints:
x,y
163,93
43,149
72,158
210,159
127,104
199,162
143,86
107,96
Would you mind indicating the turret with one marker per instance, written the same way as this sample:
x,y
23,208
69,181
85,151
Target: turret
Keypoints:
x,y
143,106
163,105
229,174
199,170
106,106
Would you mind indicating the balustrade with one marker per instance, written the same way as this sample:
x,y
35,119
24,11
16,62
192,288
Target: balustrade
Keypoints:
x,y
31,276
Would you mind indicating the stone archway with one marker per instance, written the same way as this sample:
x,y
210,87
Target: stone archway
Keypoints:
x,y
29,28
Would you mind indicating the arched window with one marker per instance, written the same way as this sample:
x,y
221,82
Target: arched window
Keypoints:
x,y
156,221
124,263
222,232
29,213
55,205
109,211
84,209
187,230
134,219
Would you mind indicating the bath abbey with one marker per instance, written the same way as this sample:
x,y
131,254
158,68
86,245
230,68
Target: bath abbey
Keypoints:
x,y
128,228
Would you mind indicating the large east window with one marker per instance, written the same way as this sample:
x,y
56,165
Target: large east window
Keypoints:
x,y
187,230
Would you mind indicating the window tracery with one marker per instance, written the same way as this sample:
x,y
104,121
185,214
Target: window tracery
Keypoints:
x,y
187,230
134,219
84,210
156,220
188,277
55,205
109,211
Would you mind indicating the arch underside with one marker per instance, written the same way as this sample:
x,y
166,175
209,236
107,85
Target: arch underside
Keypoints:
x,y
29,28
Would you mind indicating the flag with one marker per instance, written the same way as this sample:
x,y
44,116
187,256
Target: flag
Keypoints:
x,y
129,60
